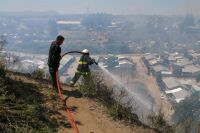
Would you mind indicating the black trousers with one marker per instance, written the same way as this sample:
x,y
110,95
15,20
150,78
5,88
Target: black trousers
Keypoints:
x,y
78,75
52,72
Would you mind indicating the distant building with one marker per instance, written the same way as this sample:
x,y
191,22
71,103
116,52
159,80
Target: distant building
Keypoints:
x,y
110,61
159,69
190,71
126,65
68,22
177,94
177,67
149,57
195,88
174,89
192,55
171,83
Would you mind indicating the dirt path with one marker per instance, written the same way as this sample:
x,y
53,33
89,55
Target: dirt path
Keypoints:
x,y
150,81
88,114
153,88
92,118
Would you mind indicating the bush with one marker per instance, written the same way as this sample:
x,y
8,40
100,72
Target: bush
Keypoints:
x,y
2,70
122,112
159,123
90,85
38,74
94,87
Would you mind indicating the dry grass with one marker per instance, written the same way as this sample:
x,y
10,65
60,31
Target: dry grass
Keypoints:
x,y
95,88
27,106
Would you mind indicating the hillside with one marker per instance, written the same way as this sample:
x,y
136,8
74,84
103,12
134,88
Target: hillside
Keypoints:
x,y
29,105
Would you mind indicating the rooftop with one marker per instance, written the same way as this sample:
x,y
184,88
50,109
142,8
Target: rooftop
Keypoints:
x,y
195,87
159,68
180,95
183,62
149,57
68,22
191,69
171,82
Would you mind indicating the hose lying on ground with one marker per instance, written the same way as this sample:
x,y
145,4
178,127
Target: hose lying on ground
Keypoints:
x,y
61,96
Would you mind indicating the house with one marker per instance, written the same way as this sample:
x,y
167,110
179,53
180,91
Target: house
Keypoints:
x,y
149,57
126,64
177,67
190,71
192,55
195,88
176,57
158,69
69,24
171,83
177,94
174,89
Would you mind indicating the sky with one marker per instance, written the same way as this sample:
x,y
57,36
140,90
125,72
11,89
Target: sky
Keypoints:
x,y
163,7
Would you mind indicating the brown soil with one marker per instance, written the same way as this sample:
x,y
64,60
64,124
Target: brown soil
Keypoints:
x,y
92,118
89,116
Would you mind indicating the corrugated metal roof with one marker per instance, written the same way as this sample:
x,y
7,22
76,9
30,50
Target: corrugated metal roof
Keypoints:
x,y
191,69
173,91
183,62
159,68
149,57
171,82
180,95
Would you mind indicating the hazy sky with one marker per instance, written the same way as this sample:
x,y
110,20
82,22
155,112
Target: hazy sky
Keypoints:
x,y
108,6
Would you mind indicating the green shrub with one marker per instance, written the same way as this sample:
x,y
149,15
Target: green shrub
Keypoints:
x,y
88,85
2,70
38,74
95,87
159,123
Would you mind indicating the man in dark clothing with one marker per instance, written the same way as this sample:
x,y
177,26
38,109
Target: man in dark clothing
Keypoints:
x,y
54,58
83,67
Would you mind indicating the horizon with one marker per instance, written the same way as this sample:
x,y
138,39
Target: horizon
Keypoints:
x,y
59,13
115,7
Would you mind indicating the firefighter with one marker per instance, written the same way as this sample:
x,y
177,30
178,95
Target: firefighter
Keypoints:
x,y
83,66
54,58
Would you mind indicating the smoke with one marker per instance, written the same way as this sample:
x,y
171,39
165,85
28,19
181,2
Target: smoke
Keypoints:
x,y
190,7
144,104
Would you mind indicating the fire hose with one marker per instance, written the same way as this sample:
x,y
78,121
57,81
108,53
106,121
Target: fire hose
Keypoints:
x,y
61,95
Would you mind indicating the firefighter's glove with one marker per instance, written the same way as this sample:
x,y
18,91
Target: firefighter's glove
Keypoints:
x,y
94,61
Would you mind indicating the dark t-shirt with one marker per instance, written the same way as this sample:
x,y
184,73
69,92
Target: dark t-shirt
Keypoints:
x,y
54,55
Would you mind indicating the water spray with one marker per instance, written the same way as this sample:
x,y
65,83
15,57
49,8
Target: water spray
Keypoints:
x,y
141,100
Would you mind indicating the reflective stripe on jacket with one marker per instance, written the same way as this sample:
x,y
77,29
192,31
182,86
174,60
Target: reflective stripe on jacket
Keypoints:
x,y
84,62
83,73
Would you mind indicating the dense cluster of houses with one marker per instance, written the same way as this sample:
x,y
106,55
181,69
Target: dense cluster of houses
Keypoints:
x,y
120,62
176,73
